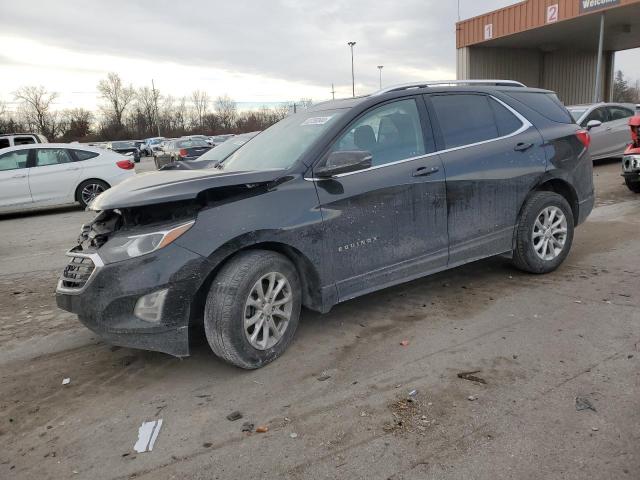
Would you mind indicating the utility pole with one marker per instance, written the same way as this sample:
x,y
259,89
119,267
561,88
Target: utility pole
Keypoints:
x,y
596,93
155,102
353,78
333,92
380,67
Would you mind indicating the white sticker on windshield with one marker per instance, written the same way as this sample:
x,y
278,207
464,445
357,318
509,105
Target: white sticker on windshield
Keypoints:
x,y
316,120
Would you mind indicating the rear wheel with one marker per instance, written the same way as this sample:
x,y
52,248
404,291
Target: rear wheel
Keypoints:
x,y
253,308
633,184
544,233
88,190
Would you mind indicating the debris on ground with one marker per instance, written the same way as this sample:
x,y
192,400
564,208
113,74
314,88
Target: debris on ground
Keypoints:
x,y
324,376
413,393
471,376
595,429
404,343
247,427
233,416
207,445
293,435
66,381
583,403
147,435
409,416
262,429
471,398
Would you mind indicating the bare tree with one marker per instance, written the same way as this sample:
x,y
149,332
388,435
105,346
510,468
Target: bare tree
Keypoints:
x,y
76,124
227,112
35,108
200,101
116,96
147,99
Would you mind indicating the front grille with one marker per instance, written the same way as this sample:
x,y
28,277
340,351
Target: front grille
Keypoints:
x,y
77,272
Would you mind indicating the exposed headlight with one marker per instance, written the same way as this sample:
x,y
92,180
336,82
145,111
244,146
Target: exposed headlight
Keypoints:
x,y
120,248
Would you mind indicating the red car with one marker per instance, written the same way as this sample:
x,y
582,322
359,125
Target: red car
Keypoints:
x,y
631,159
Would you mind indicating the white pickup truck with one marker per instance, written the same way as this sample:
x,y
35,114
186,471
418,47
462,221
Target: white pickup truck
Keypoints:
x,y
13,139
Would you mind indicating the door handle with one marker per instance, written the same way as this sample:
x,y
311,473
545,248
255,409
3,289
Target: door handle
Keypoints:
x,y
19,175
521,147
425,171
73,168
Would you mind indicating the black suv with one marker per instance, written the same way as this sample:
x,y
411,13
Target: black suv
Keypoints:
x,y
335,202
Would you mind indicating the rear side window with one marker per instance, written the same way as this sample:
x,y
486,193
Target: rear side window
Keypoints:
x,y
546,104
84,154
51,156
4,142
23,140
506,121
618,113
464,119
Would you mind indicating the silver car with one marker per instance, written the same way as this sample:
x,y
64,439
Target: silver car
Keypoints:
x,y
608,125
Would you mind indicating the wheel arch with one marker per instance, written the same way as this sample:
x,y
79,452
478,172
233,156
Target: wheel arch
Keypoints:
x,y
309,276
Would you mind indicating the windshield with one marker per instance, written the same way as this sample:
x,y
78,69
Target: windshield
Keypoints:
x,y
123,145
282,144
225,149
576,113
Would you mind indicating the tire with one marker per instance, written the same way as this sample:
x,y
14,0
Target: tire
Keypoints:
x,y
94,186
633,184
535,257
228,305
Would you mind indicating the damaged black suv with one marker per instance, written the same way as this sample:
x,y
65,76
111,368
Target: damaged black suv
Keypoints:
x,y
345,198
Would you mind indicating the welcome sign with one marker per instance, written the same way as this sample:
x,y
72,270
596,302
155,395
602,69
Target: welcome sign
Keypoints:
x,y
587,6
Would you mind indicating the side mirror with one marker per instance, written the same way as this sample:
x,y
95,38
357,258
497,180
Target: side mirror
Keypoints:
x,y
593,124
344,162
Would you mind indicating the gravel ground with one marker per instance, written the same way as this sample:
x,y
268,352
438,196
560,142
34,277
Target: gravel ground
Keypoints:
x,y
537,342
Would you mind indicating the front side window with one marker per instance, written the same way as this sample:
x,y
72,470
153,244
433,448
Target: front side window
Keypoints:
x,y
14,160
599,114
23,140
618,113
465,119
4,143
51,156
390,133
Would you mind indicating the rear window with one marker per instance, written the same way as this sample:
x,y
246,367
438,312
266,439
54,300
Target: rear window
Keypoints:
x,y
191,143
23,140
84,154
546,104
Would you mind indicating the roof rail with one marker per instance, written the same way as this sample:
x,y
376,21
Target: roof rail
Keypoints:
x,y
433,83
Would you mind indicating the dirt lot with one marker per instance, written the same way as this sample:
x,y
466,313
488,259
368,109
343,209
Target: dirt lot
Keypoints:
x,y
537,341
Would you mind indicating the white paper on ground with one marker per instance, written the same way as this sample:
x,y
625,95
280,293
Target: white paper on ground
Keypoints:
x,y
66,381
147,434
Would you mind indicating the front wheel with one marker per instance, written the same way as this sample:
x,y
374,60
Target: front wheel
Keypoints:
x,y
253,308
633,184
88,190
544,234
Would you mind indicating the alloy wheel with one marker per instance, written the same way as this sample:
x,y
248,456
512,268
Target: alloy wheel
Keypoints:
x,y
549,233
268,310
91,191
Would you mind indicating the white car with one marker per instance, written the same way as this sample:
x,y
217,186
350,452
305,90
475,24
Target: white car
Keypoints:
x,y
40,175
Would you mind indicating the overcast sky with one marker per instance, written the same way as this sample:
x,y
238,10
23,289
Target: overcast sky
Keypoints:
x,y
255,51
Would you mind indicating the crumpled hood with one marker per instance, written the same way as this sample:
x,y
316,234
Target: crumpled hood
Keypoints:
x,y
174,185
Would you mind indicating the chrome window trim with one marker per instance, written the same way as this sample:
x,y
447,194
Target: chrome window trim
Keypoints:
x,y
98,264
526,125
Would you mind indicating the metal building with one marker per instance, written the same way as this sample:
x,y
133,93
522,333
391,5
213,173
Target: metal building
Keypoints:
x,y
564,45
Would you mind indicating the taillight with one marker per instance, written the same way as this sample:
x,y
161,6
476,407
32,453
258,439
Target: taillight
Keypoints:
x,y
125,164
183,152
584,137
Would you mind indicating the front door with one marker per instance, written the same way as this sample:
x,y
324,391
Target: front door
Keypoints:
x,y
492,158
619,129
14,180
387,223
53,176
600,135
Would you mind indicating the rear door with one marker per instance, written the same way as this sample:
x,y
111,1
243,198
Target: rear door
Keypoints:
x,y
53,176
14,182
619,128
492,157
387,223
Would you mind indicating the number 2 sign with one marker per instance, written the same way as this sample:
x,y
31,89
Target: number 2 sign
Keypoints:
x,y
552,13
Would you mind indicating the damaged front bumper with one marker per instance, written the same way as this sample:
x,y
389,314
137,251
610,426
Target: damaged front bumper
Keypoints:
x,y
631,166
104,296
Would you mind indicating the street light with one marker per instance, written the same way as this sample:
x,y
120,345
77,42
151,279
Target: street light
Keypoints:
x,y
380,67
353,78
